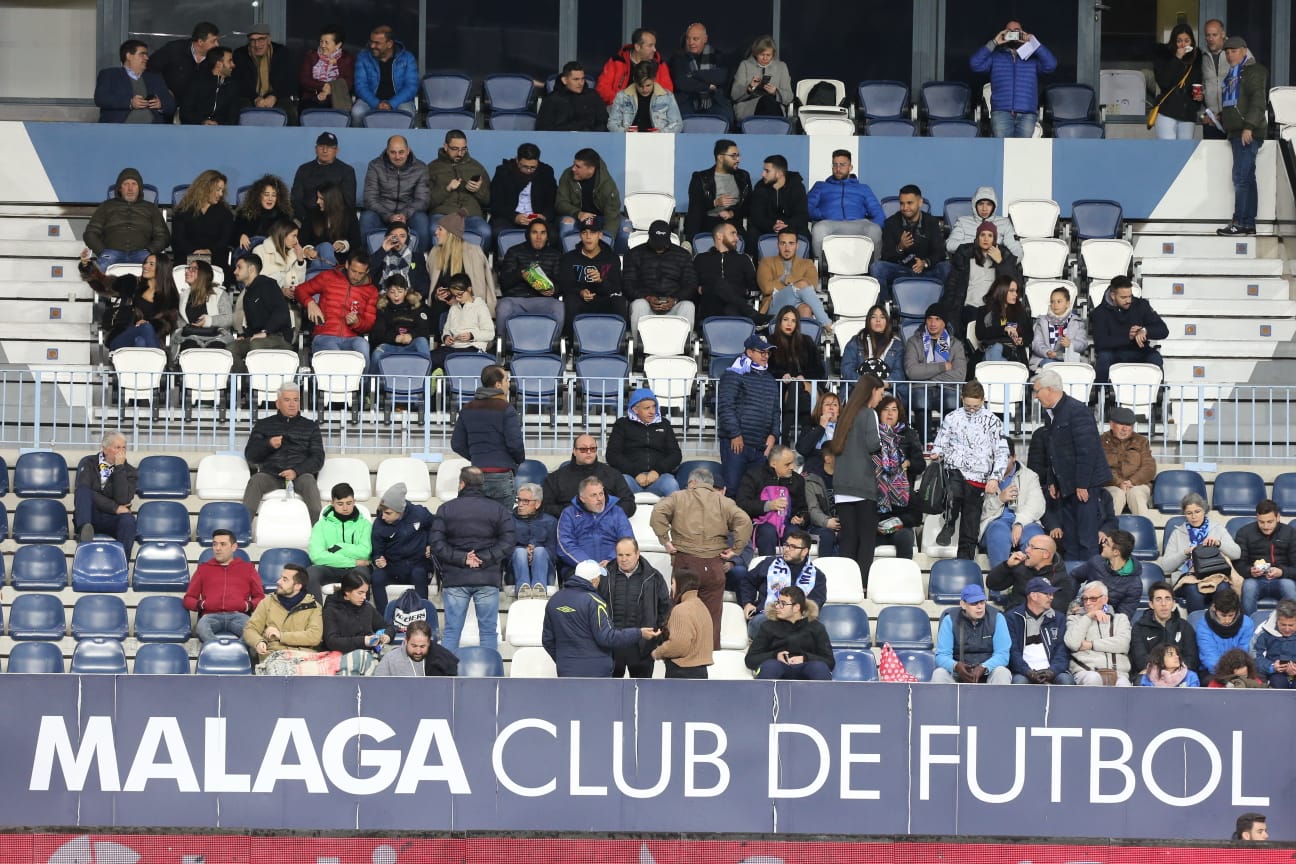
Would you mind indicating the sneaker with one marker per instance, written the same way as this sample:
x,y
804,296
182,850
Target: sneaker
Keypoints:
x,y
1232,230
946,535
539,591
87,533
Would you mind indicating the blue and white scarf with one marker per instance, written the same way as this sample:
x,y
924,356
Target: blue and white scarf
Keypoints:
x,y
105,470
1232,83
1196,536
938,349
779,576
744,364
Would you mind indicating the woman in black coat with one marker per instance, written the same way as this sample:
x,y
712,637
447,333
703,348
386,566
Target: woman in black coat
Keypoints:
x,y
351,622
797,364
202,223
973,268
1003,323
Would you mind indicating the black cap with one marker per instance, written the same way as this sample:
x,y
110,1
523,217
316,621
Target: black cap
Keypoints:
x,y
592,223
326,139
659,235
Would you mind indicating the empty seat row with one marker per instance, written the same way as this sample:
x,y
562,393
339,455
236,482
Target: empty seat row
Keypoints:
x,y
158,618
103,656
1234,493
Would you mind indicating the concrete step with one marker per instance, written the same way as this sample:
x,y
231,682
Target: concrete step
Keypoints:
x,y
1205,308
1226,422
38,229
48,331
61,291
1223,349
42,248
25,270
46,351
1213,267
1213,289
41,312
1206,330
1187,246
1224,371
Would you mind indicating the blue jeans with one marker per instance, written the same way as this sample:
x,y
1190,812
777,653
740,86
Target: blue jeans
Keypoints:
x,y
795,296
810,670
418,346
326,258
1059,678
361,108
340,343
215,624
399,573
997,540
485,600
1245,196
476,224
734,465
1194,601
371,222
109,257
1254,589
1012,124
537,571
664,485
140,335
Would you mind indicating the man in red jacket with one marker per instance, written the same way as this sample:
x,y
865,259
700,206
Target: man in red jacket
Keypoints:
x,y
224,590
615,76
342,305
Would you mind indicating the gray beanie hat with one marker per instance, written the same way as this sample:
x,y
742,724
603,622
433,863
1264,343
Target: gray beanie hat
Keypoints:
x,y
394,498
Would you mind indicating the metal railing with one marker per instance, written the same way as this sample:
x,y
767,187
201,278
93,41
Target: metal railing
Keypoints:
x,y
53,407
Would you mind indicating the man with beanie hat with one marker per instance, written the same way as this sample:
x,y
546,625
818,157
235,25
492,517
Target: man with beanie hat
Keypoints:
x,y
324,168
457,181
1244,101
399,545
643,448
659,278
578,632
396,190
935,356
487,433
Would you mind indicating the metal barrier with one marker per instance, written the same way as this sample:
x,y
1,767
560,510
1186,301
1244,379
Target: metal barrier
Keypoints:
x,y
1198,424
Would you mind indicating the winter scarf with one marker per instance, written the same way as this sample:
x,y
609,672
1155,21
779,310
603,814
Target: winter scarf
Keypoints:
x,y
744,364
938,349
893,483
1232,83
326,67
1221,630
1166,677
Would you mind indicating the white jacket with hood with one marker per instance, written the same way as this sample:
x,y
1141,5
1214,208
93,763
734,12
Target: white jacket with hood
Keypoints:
x,y
965,229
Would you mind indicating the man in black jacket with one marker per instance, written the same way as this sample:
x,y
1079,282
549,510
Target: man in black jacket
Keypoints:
x,y
487,433
528,279
779,470
324,168
1268,560
589,276
212,97
524,188
778,202
563,484
1038,558
277,88
572,106
727,278
285,448
1117,568
913,244
637,596
1077,468
659,278
1161,624
700,75
180,62
105,488
1123,328
719,194
265,311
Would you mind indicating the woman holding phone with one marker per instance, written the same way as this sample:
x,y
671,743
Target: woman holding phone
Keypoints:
x,y
762,86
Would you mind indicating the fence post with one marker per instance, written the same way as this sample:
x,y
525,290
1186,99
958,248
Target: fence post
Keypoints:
x,y
1201,465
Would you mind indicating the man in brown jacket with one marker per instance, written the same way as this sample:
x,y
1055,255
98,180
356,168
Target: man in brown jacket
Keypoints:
x,y
695,526
288,618
786,280
1130,457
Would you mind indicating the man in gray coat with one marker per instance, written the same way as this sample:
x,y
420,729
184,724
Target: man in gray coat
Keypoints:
x,y
396,191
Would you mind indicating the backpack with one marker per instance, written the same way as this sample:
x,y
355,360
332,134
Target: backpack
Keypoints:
x,y
409,608
823,94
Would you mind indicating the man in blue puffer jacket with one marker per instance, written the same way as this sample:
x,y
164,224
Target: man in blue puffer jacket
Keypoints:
x,y
386,77
843,205
589,529
1014,59
748,416
578,632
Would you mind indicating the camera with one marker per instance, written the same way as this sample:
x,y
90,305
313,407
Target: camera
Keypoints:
x,y
1012,36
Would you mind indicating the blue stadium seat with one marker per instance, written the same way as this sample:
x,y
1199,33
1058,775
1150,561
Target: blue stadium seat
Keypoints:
x,y
1070,103
1169,528
507,239
99,616
759,125
1284,493
953,129
160,658
161,567
41,474
509,91
598,334
446,91
1149,576
891,205
99,656
404,379
224,656
149,193
531,334
393,119
724,335
854,665
1195,617
883,100
945,100
1235,524
1169,488
99,566
537,379
531,471
451,120
1085,130
224,514
1097,218
163,477
178,193
955,208
36,657
263,117
1145,541
767,246
463,375
920,664
39,567
4,476
389,615
40,520
162,522
891,129
477,661
906,627
686,468
327,118
1236,493
272,563
949,576
913,294
602,379
705,124
847,626
162,618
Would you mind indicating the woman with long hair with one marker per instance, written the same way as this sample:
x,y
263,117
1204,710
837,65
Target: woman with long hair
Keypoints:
x,y
901,451
878,350
282,256
1177,67
330,230
144,307
850,460
798,365
264,203
686,650
451,256
202,223
762,84
1003,322
207,316
816,435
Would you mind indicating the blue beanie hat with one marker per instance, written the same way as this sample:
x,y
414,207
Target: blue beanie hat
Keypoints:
x,y
640,395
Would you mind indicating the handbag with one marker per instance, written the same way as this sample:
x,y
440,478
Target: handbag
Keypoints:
x,y
199,332
1210,568
1156,109
932,488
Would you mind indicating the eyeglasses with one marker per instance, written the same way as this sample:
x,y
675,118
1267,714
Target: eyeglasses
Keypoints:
x,y
1036,548
794,546
586,449
732,155
1089,599
783,604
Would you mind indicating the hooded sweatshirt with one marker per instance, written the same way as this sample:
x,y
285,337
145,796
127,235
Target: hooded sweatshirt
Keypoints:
x,y
965,229
127,226
1271,646
338,541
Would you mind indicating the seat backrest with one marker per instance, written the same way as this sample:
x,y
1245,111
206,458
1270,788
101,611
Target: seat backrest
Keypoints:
x,y
664,334
224,656
853,296
915,294
163,477
451,120
532,663
163,522
847,254
1043,257
903,627
949,576
945,100
1284,493
222,476
920,664
447,478
224,514
1236,493
272,562
532,334
345,469
686,468
478,661
842,579
883,100
725,335
891,129
408,470
1069,102
1080,130
338,373
160,567
509,92
37,616
525,622
325,117
99,656
598,334
263,117
602,377
446,91
644,208
805,85
39,567
817,124
40,520
536,374
393,119
1171,485
671,379
405,375
513,121
705,124
1034,217
36,657
845,622
283,522
1097,219
854,666
759,125
99,616
1039,291
1135,385
1004,382
954,209
162,618
953,129
1144,532
895,580
99,566
41,474
161,658
463,370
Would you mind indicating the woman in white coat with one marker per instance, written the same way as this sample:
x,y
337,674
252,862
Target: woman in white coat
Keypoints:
x,y
1011,518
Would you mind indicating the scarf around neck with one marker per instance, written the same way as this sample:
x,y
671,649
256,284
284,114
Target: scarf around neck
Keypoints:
x,y
1167,678
743,364
938,349
326,67
1232,82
